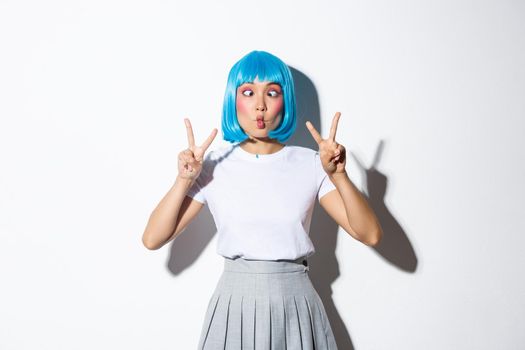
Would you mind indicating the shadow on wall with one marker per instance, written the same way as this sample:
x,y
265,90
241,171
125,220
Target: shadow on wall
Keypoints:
x,y
324,269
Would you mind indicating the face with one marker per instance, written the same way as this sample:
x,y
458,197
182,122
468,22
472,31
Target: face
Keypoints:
x,y
259,107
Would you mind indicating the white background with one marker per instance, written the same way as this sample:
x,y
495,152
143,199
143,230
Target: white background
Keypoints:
x,y
92,100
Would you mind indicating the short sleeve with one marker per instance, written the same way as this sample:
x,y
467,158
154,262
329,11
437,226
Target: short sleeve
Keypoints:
x,y
324,184
198,190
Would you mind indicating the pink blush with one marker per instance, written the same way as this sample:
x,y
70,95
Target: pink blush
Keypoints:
x,y
241,106
278,106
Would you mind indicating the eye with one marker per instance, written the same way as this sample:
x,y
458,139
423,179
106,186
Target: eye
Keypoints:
x,y
273,93
247,92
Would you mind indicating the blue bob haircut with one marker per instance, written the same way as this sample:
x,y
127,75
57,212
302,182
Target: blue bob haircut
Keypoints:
x,y
265,67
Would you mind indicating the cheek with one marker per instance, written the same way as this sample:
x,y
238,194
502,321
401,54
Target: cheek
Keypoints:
x,y
278,106
241,105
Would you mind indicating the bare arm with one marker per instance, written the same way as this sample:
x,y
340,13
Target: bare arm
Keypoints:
x,y
346,205
351,211
171,216
176,210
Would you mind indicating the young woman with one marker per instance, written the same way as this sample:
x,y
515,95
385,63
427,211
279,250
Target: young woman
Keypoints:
x,y
261,193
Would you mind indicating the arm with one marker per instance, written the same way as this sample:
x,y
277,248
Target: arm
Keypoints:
x,y
350,210
171,216
346,205
176,210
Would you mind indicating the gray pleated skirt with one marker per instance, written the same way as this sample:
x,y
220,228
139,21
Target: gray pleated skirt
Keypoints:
x,y
266,305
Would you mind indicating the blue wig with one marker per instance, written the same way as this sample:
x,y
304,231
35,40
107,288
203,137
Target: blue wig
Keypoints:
x,y
265,67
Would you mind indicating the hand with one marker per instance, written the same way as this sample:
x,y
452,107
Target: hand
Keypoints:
x,y
332,154
190,160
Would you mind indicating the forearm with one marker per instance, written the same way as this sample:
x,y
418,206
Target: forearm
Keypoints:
x,y
361,217
163,219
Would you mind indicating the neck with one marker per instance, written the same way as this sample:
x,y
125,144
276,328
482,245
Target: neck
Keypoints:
x,y
263,145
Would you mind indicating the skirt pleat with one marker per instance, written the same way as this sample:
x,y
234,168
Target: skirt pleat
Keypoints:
x,y
304,323
248,323
293,328
262,323
233,338
318,326
217,330
208,317
265,305
277,323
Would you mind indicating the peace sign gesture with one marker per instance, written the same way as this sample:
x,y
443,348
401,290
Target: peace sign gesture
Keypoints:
x,y
332,154
190,160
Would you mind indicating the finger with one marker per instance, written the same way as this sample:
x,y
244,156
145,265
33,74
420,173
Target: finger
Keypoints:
x,y
209,140
188,158
314,132
182,155
189,132
333,129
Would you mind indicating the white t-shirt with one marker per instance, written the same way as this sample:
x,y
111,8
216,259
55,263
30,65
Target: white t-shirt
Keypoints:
x,y
262,205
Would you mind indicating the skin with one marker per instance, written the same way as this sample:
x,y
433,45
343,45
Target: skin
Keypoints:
x,y
259,99
345,204
176,210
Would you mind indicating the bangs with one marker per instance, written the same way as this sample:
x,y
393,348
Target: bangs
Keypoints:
x,y
259,65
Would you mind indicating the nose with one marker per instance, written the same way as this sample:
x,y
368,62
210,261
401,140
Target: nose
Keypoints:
x,y
261,106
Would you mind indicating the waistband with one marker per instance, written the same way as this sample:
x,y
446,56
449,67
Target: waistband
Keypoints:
x,y
265,266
